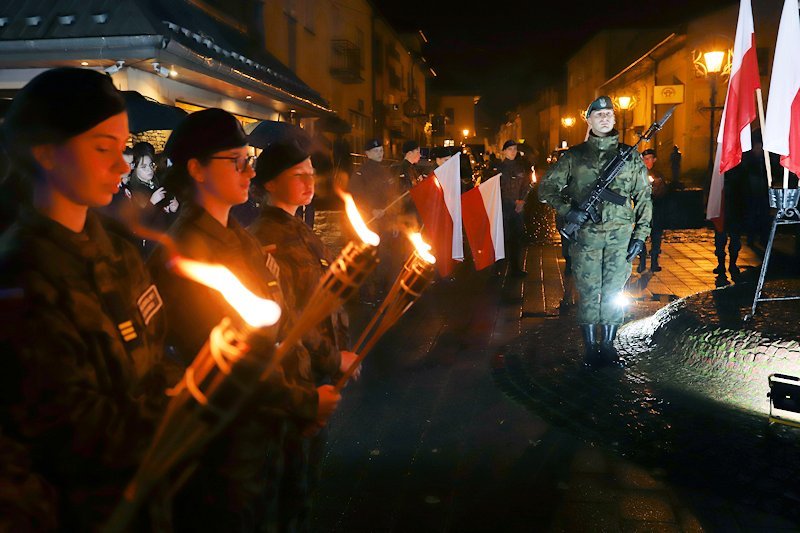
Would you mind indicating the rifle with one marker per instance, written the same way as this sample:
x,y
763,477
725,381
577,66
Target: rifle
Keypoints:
x,y
600,191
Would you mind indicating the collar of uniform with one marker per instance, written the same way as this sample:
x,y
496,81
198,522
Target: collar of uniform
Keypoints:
x,y
276,213
92,243
197,216
608,142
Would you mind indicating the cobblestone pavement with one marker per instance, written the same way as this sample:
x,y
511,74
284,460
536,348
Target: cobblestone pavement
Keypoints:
x,y
458,424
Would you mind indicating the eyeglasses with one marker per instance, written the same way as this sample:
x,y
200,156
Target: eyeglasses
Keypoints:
x,y
240,163
152,165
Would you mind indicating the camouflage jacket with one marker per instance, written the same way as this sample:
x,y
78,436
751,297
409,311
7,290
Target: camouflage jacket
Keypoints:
x,y
572,177
303,259
193,310
82,374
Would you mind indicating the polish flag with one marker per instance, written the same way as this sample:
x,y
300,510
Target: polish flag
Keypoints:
x,y
482,210
740,105
438,202
782,135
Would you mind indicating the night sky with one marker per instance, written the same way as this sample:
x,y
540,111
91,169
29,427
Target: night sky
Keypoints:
x,y
507,53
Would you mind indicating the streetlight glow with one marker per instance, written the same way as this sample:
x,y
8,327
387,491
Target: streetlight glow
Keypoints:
x,y
568,122
713,61
624,102
465,132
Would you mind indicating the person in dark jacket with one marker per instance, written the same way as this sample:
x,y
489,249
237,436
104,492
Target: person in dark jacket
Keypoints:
x,y
284,171
82,374
408,175
374,188
212,171
514,187
660,190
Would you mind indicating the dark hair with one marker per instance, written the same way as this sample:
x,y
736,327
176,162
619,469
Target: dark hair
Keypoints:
x,y
142,149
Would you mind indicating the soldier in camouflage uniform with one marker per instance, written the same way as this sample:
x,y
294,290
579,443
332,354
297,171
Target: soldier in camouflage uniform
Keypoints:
x,y
602,252
284,170
81,332
211,172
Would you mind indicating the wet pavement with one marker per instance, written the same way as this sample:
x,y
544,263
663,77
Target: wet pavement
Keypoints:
x,y
474,414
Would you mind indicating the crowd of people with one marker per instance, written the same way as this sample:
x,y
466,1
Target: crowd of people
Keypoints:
x,y
97,326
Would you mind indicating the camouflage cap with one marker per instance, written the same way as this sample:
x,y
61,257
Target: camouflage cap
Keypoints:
x,y
602,102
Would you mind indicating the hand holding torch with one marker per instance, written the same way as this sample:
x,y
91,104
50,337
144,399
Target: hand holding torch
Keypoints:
x,y
414,278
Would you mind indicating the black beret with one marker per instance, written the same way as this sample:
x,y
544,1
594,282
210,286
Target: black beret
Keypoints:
x,y
440,152
59,104
203,133
602,102
509,143
649,151
372,143
410,146
276,158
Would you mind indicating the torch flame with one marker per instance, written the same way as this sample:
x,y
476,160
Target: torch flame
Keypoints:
x,y
258,312
357,222
423,248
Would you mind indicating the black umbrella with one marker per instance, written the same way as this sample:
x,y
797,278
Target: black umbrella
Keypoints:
x,y
334,124
145,114
269,131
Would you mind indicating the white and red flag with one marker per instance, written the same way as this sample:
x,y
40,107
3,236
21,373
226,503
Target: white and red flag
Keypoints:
x,y
482,210
782,130
438,202
740,104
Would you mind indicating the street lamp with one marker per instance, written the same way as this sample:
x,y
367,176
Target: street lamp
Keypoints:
x,y
624,103
567,122
466,133
711,66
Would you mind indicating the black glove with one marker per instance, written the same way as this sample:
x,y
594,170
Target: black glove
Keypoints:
x,y
635,247
576,216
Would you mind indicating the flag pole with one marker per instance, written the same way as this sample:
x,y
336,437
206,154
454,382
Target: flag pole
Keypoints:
x,y
761,120
390,205
785,178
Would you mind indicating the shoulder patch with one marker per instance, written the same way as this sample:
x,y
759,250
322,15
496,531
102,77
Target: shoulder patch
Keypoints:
x,y
272,266
149,303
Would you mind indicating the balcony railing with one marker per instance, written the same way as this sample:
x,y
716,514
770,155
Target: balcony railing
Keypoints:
x,y
346,61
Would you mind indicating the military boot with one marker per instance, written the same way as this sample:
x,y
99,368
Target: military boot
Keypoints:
x,y
654,266
720,270
732,268
642,263
591,354
608,353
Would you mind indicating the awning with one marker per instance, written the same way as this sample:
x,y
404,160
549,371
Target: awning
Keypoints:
x,y
40,34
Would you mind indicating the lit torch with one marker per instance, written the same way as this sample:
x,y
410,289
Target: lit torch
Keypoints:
x,y
414,278
343,278
213,389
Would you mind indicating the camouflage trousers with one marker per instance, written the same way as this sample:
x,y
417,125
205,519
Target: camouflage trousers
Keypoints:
x,y
600,270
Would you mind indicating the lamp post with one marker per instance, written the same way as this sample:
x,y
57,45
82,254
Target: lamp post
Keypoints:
x,y
712,61
625,103
567,122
